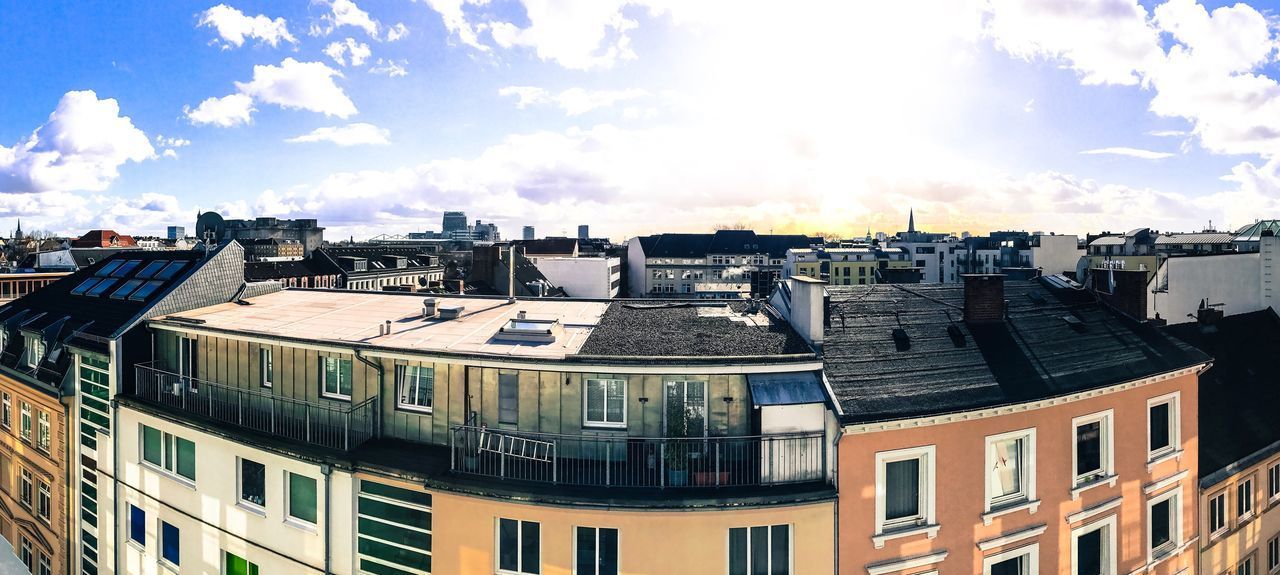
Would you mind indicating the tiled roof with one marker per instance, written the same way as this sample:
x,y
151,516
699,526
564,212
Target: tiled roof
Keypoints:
x,y
729,242
1196,238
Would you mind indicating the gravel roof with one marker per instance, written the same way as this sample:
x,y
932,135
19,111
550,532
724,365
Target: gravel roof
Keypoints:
x,y
675,329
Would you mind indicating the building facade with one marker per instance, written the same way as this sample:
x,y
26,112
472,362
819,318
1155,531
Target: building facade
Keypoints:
x,y
597,278
33,462
303,231
860,265
675,265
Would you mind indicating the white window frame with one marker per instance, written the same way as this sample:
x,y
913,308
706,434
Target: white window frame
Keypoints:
x,y
417,379
1175,426
1224,515
927,521
791,546
44,502
1243,562
1107,445
26,488
259,508
1245,484
24,421
289,517
266,367
324,378
1175,524
168,454
587,422
596,529
170,565
1027,470
34,351
497,546
1109,540
6,418
1273,482
1273,554
44,436
1032,552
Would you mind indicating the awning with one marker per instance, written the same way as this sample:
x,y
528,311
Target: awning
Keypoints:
x,y
786,388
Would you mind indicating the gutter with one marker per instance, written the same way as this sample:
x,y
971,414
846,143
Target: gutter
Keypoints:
x,y
326,470
381,377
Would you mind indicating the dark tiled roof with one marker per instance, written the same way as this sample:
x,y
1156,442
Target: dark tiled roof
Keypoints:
x,y
1239,394
676,329
1034,354
102,239
414,257
310,267
744,242
546,246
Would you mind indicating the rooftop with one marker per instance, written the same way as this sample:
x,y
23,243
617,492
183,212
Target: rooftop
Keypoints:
x,y
1195,238
692,329
722,242
1055,341
1239,393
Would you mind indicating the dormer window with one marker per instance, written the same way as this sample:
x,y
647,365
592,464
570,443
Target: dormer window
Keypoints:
x,y
35,351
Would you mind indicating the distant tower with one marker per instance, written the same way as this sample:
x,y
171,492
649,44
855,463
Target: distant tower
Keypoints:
x,y
911,222
17,235
584,232
528,233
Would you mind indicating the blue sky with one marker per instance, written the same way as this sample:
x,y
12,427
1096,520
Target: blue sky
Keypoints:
x,y
640,116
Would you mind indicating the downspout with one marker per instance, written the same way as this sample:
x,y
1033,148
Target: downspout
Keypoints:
x,y
114,350
325,470
70,462
377,412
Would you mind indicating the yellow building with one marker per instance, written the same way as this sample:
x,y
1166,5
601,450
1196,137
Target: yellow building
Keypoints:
x,y
860,265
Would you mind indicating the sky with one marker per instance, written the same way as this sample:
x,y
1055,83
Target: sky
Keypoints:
x,y
644,116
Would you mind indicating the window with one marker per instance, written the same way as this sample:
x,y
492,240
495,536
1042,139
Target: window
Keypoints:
x,y
335,376
46,565
42,431
1273,481
169,452
137,525
508,398
25,554
1010,468
1092,447
233,564
253,483
1244,499
1164,524
44,502
394,527
595,551
1273,554
1020,561
170,544
25,484
605,402
267,366
1093,548
25,431
35,351
904,488
1162,425
1218,512
1245,567
417,386
6,404
765,550
187,354
302,497
519,547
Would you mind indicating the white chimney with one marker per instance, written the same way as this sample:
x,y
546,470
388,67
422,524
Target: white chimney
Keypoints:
x,y
1269,261
808,301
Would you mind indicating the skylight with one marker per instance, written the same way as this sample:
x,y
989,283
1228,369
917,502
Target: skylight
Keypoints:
x,y
106,270
102,286
126,288
125,268
170,270
146,290
151,269
84,286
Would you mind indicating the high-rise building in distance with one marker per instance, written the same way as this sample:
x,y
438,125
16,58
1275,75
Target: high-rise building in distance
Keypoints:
x,y
528,233
454,222
176,232
584,231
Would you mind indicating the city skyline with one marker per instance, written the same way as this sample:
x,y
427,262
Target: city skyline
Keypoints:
x,y
639,117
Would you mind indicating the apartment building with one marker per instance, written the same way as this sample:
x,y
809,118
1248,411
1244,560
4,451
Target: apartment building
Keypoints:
x,y
855,265
354,432
1239,483
729,264
63,350
1005,427
381,267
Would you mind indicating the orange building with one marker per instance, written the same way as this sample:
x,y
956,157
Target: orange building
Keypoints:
x,y
1007,429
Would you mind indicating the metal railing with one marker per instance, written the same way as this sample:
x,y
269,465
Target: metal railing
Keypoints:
x,y
644,462
334,427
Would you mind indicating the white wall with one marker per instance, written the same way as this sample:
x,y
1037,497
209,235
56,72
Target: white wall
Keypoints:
x,y
581,277
638,277
1056,254
1232,280
208,516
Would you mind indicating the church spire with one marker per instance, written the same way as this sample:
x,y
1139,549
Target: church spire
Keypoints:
x,y
911,221
17,235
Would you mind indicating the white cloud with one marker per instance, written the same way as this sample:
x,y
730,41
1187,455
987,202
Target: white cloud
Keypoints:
x,y
344,13
299,85
170,153
1168,133
397,32
355,134
358,51
234,27
574,101
1130,152
164,142
1030,106
390,68
80,147
455,21
227,111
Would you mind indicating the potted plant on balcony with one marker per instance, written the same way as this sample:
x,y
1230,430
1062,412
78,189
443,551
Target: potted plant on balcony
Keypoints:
x,y
677,459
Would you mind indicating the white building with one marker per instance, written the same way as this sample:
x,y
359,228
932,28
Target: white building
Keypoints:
x,y
596,278
673,265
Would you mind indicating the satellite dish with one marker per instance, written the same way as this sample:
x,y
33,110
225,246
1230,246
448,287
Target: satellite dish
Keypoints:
x,y
210,225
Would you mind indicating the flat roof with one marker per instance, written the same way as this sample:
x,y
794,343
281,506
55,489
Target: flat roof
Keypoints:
x,y
353,317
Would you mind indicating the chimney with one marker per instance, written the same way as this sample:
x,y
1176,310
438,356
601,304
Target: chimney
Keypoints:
x,y
808,303
1269,250
1123,290
983,298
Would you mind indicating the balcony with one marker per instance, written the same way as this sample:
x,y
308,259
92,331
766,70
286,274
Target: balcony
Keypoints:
x,y
640,462
335,427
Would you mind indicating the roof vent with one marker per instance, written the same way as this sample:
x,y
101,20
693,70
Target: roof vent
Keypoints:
x,y
429,308
901,339
1074,322
450,311
956,335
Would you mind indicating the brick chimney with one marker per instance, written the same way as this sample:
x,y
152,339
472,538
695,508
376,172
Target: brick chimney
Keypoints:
x,y
983,298
1123,290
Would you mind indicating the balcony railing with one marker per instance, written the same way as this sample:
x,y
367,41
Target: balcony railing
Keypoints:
x,y
640,462
334,427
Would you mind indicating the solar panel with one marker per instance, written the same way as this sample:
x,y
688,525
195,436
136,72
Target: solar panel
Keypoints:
x,y
106,270
170,270
84,286
125,288
102,286
125,268
146,290
151,269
